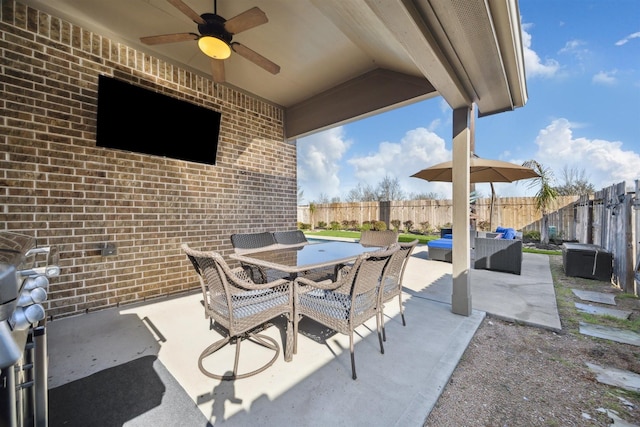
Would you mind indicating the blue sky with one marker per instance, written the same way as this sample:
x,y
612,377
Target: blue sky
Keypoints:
x,y
582,61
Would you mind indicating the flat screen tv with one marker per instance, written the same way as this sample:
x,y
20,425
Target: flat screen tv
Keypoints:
x,y
136,119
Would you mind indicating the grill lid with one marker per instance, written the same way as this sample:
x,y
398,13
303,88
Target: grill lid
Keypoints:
x,y
13,251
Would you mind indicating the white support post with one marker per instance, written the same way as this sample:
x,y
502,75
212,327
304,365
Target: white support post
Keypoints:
x,y
461,253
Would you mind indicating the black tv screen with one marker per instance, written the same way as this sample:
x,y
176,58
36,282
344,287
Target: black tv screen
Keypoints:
x,y
136,119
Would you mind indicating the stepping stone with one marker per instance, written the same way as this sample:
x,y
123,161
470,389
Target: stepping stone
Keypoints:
x,y
609,333
601,297
592,309
616,377
617,421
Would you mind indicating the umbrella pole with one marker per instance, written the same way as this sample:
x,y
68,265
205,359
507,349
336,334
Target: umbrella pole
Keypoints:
x,y
493,196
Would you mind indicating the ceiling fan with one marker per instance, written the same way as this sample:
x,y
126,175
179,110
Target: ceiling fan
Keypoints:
x,y
216,35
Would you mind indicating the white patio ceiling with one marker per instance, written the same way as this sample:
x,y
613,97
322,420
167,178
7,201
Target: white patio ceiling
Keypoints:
x,y
340,60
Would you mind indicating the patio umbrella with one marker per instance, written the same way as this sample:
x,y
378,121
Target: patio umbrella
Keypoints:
x,y
480,170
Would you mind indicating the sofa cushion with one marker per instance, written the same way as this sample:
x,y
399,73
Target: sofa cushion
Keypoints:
x,y
507,233
440,243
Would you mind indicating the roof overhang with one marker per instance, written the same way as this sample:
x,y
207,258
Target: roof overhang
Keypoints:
x,y
340,60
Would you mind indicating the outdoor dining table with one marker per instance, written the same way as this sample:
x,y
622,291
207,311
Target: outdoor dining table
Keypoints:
x,y
300,259
295,259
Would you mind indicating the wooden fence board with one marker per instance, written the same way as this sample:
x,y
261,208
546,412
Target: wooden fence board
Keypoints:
x,y
516,212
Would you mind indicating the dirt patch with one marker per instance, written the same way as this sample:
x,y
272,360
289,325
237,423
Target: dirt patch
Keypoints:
x,y
515,375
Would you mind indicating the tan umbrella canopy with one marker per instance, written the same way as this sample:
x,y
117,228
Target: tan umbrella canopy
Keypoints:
x,y
480,170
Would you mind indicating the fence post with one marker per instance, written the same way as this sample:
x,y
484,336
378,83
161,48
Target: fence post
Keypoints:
x,y
385,213
636,209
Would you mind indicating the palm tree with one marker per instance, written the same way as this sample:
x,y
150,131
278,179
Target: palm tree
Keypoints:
x,y
312,209
545,195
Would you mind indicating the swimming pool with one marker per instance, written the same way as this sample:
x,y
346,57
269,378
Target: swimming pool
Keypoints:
x,y
315,240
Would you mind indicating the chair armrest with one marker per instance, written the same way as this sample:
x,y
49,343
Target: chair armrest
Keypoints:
x,y
242,280
325,284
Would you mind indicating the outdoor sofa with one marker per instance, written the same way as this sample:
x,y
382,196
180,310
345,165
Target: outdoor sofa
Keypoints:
x,y
499,253
441,249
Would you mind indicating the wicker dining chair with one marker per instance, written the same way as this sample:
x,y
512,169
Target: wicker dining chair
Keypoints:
x,y
381,239
344,304
241,307
392,282
293,237
248,242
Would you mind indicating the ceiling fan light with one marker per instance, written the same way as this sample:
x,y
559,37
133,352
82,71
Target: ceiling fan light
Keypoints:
x,y
214,47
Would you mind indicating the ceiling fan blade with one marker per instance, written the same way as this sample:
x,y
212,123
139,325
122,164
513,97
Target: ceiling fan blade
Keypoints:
x,y
169,38
217,70
187,11
256,58
246,20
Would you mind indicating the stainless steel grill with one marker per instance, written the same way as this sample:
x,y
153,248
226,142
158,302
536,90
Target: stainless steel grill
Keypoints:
x,y
25,269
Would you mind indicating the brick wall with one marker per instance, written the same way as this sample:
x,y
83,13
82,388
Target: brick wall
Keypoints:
x,y
58,186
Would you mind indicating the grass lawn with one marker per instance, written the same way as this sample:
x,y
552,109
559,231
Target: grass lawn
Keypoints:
x,y
402,237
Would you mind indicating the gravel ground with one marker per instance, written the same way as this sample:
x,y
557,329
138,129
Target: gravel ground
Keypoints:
x,y
515,375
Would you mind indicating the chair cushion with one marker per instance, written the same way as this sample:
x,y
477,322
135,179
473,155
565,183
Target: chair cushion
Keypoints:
x,y
390,285
334,304
251,302
330,303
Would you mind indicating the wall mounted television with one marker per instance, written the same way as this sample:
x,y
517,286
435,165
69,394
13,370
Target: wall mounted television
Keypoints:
x,y
135,119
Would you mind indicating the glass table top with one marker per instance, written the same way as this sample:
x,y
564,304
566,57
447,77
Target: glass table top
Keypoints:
x,y
298,258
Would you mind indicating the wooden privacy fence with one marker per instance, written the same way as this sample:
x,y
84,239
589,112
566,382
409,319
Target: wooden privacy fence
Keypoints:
x,y
609,218
516,212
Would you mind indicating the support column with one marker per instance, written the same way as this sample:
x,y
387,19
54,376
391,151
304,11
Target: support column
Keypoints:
x,y
461,256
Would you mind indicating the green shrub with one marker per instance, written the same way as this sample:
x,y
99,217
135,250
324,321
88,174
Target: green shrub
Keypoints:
x,y
366,226
353,224
426,227
303,226
408,224
483,225
322,224
396,224
531,235
380,226
335,225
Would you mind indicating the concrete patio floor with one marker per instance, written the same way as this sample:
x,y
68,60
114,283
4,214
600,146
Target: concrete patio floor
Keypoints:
x,y
399,387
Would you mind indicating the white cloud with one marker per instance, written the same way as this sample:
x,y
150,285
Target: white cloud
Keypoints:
x,y
575,49
532,62
626,39
605,77
319,159
604,162
572,46
418,149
